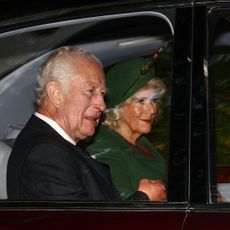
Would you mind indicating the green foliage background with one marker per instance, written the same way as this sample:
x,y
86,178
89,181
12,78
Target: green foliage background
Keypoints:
x,y
221,96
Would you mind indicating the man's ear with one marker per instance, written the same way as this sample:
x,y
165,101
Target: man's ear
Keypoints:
x,y
54,93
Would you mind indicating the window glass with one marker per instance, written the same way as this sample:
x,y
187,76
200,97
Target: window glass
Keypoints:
x,y
160,131
219,102
110,40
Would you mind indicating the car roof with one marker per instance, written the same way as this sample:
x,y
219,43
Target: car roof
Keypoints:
x,y
24,13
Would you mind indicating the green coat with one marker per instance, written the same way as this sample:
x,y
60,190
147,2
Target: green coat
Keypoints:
x,y
127,165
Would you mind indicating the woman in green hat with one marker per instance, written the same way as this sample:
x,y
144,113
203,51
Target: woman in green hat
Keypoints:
x,y
133,103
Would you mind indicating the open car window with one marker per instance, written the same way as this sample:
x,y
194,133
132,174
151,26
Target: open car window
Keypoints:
x,y
111,38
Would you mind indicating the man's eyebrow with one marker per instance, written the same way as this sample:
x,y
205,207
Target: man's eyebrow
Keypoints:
x,y
93,85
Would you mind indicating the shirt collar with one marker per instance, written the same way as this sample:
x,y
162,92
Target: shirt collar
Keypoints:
x,y
55,126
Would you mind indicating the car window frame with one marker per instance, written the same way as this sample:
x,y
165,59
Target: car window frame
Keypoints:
x,y
171,205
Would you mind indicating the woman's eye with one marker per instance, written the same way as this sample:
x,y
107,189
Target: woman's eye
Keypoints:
x,y
141,101
154,99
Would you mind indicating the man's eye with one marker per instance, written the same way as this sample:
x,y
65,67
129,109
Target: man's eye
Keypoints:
x,y
91,91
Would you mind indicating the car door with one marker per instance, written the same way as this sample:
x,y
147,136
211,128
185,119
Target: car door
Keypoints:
x,y
209,206
113,31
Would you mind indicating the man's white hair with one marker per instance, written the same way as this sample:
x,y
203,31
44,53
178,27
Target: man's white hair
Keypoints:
x,y
59,67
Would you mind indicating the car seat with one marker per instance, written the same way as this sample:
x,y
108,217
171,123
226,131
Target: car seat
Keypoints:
x,y
6,145
5,151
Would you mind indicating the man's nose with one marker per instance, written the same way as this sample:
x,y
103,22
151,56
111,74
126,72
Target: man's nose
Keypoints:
x,y
101,102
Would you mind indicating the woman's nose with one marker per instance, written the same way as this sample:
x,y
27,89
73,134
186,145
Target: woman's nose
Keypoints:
x,y
152,106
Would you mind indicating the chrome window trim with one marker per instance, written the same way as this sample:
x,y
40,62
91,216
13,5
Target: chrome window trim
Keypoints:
x,y
88,20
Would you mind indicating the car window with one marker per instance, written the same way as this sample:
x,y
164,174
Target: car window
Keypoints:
x,y
219,102
111,39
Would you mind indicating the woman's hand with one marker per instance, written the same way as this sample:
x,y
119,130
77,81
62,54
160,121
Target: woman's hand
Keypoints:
x,y
155,189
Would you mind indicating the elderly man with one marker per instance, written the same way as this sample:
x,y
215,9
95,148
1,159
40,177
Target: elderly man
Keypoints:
x,y
46,162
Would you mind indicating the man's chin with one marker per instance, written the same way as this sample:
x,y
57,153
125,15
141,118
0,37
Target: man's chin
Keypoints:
x,y
86,135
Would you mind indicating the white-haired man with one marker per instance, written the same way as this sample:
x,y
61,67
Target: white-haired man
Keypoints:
x,y
46,162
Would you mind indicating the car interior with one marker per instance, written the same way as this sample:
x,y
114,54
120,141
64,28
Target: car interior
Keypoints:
x,y
110,38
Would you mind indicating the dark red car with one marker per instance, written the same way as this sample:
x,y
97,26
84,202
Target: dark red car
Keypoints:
x,y
193,135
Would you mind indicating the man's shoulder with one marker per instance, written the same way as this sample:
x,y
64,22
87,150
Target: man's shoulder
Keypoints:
x,y
36,132
34,142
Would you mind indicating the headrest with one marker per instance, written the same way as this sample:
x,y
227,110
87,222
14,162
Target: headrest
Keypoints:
x,y
12,131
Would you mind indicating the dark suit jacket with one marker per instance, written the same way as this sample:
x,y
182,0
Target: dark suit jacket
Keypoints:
x,y
44,166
